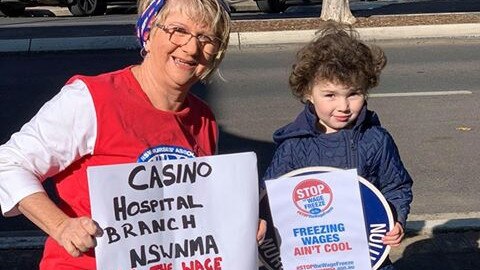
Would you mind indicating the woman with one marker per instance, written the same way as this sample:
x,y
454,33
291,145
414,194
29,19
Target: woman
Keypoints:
x,y
113,118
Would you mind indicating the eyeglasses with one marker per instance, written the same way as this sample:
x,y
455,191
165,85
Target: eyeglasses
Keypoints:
x,y
181,36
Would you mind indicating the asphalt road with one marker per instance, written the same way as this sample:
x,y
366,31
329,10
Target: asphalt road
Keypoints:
x,y
435,132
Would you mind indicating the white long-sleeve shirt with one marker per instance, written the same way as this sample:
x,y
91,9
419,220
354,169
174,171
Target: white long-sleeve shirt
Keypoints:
x,y
63,131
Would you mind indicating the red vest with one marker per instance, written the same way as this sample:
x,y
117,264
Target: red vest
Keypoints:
x,y
129,129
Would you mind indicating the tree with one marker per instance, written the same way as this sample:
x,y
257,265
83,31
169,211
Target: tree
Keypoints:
x,y
337,10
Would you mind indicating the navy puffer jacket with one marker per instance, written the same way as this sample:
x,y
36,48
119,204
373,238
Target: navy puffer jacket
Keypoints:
x,y
367,147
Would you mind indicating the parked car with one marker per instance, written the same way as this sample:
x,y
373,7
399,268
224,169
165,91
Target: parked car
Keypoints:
x,y
12,8
272,6
77,7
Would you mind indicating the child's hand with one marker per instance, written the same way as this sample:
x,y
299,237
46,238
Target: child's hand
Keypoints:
x,y
395,236
262,230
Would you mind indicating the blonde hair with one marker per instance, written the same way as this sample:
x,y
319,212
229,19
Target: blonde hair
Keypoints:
x,y
208,12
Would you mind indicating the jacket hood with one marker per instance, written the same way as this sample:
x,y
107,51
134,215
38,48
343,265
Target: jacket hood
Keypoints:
x,y
305,124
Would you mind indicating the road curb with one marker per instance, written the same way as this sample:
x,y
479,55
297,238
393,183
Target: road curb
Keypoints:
x,y
470,30
429,224
244,39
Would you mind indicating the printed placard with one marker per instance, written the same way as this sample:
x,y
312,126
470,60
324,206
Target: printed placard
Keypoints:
x,y
188,214
320,221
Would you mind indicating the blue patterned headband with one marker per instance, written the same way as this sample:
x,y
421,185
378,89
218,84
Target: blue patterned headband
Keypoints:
x,y
144,21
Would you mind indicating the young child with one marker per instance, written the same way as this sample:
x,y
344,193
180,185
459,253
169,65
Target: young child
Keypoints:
x,y
332,76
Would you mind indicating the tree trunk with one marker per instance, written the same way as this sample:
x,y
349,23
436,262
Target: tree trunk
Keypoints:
x,y
337,10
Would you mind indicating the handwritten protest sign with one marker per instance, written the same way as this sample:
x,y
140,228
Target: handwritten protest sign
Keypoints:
x,y
319,218
189,214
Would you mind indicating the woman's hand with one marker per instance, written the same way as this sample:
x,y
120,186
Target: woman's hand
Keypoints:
x,y
394,237
77,235
262,230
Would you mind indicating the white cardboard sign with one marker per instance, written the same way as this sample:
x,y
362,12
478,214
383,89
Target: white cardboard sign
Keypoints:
x,y
189,214
320,222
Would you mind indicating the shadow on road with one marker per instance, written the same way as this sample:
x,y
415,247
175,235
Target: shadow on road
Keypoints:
x,y
22,96
39,13
444,250
231,143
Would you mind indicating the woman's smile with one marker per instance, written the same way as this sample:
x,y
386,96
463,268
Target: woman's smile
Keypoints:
x,y
185,64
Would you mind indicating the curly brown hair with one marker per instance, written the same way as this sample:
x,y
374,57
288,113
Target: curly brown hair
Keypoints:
x,y
336,55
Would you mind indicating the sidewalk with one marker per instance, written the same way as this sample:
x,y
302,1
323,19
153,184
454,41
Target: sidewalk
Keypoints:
x,y
238,40
62,33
